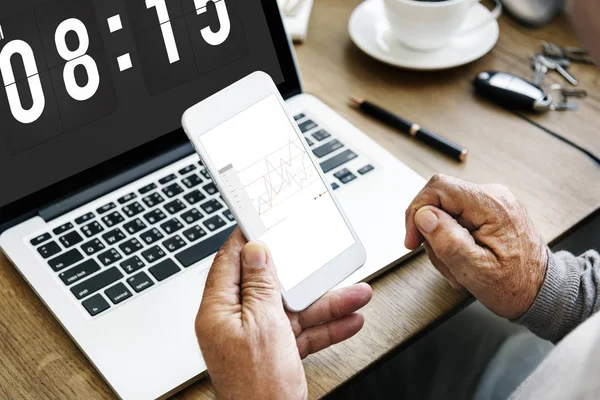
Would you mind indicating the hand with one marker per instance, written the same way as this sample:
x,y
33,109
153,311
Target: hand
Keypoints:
x,y
253,347
479,237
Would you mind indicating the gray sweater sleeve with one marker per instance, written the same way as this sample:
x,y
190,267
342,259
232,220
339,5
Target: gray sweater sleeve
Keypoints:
x,y
569,295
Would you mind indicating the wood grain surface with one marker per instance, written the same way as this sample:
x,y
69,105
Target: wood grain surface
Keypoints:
x,y
557,184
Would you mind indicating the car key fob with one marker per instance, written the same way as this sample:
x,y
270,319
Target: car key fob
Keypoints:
x,y
512,92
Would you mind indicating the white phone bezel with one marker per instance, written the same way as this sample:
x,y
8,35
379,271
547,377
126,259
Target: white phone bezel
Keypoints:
x,y
226,104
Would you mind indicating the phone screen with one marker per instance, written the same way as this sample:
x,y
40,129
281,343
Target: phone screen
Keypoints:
x,y
274,187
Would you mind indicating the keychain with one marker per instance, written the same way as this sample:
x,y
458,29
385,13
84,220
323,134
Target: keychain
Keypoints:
x,y
512,92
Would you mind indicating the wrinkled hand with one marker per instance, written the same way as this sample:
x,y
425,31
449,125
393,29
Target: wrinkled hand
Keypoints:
x,y
253,347
479,237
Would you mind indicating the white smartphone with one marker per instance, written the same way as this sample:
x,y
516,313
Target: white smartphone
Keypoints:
x,y
266,173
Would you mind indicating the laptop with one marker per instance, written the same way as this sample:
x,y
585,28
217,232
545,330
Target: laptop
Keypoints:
x,y
106,210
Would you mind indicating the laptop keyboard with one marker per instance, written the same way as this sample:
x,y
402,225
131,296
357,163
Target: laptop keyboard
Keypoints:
x,y
156,231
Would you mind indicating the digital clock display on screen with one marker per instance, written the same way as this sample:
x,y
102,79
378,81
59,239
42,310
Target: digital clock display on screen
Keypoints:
x,y
82,81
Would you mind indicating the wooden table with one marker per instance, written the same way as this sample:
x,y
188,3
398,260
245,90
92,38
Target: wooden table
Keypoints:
x,y
557,184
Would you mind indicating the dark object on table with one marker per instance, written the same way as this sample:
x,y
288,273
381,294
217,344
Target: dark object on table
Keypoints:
x,y
533,13
437,142
512,92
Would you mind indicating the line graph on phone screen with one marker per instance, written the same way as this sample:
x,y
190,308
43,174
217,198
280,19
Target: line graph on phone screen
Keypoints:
x,y
276,177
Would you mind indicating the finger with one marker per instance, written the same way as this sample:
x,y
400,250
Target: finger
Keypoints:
x,y
452,244
334,305
223,280
322,336
455,196
260,287
441,267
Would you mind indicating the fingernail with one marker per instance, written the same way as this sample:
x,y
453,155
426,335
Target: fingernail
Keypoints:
x,y
255,255
426,221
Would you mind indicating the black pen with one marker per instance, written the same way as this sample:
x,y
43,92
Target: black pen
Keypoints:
x,y
437,142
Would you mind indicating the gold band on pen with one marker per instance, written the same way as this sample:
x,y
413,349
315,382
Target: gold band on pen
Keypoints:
x,y
414,129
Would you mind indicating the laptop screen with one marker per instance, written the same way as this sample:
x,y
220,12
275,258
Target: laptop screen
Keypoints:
x,y
84,81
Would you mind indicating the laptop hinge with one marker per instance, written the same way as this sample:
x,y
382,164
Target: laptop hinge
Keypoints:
x,y
92,193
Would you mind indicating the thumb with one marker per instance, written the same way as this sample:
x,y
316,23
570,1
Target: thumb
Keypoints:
x,y
259,277
452,244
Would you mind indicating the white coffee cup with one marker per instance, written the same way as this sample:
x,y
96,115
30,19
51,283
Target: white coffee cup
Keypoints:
x,y
428,26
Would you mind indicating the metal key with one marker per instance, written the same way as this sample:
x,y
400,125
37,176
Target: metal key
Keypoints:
x,y
564,107
572,53
539,71
558,68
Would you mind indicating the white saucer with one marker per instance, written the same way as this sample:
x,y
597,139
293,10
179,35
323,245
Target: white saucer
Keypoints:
x,y
369,27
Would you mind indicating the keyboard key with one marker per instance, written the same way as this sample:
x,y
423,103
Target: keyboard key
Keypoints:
x,y
63,228
110,257
345,175
206,174
348,178
191,181
307,125
203,249
114,236
147,188
132,264
127,198
140,282
194,233
172,190
194,197
92,229
106,208
211,189
154,216
228,215
40,239
171,226
341,173
134,226
153,254
151,236
118,293
192,216
84,218
92,247
133,209
71,239
95,305
79,272
321,135
174,207
310,142
335,186
97,282
214,223
211,206
49,249
167,179
365,169
163,270
65,260
299,117
337,161
174,244
187,169
130,246
153,200
113,219
328,148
